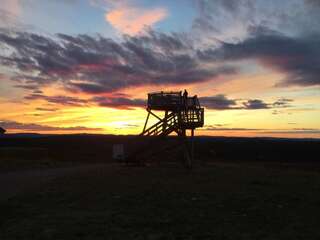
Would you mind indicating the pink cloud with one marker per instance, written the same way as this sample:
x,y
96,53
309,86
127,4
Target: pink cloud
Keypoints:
x,y
132,20
12,6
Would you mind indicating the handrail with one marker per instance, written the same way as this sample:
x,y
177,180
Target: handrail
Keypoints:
x,y
165,93
159,124
171,100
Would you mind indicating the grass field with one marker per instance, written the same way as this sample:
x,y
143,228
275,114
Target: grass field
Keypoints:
x,y
217,201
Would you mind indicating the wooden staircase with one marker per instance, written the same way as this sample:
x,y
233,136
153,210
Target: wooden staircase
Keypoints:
x,y
163,127
174,121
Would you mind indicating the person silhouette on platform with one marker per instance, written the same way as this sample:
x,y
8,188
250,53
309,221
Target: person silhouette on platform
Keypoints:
x,y
185,95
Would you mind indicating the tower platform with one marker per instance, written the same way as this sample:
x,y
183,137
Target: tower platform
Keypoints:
x,y
171,101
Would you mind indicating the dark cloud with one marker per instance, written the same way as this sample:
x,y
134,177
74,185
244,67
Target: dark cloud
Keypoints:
x,y
123,101
119,102
101,65
297,57
28,87
282,103
97,65
63,100
219,128
294,131
291,47
313,3
222,102
116,100
47,109
12,125
37,91
263,130
255,104
218,102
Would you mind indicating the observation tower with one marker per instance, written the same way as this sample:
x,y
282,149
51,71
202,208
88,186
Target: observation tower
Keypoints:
x,y
179,114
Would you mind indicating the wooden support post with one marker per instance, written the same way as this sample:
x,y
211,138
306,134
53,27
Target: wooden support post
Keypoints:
x,y
155,115
186,148
164,126
145,125
192,148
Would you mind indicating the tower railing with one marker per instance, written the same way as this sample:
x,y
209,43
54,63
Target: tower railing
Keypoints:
x,y
192,118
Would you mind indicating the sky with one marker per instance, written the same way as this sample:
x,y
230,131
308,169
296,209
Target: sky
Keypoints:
x,y
86,66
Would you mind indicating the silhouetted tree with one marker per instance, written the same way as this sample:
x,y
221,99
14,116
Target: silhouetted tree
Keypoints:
x,y
2,130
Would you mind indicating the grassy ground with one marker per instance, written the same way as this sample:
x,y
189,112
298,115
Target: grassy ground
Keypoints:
x,y
21,158
220,201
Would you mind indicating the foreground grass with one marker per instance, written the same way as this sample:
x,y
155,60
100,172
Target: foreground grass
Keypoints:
x,y
239,201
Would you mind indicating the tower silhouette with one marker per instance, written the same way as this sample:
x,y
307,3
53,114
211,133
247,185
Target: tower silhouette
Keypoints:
x,y
181,113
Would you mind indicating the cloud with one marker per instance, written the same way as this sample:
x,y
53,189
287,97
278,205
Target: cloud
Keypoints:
x,y
10,20
95,65
58,99
230,6
98,65
255,104
226,20
222,102
123,101
230,20
217,128
294,131
119,102
116,100
282,103
47,109
313,3
297,57
12,6
262,130
12,125
132,20
27,87
218,102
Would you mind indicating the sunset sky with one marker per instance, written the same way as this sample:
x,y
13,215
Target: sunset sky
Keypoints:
x,y
86,66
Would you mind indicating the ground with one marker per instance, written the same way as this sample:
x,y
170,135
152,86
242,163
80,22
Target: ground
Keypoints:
x,y
220,200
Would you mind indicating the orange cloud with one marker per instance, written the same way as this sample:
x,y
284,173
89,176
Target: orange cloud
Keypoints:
x,y
131,20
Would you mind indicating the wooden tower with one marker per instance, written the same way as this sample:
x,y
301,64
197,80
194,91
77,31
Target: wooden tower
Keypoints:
x,y
181,113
